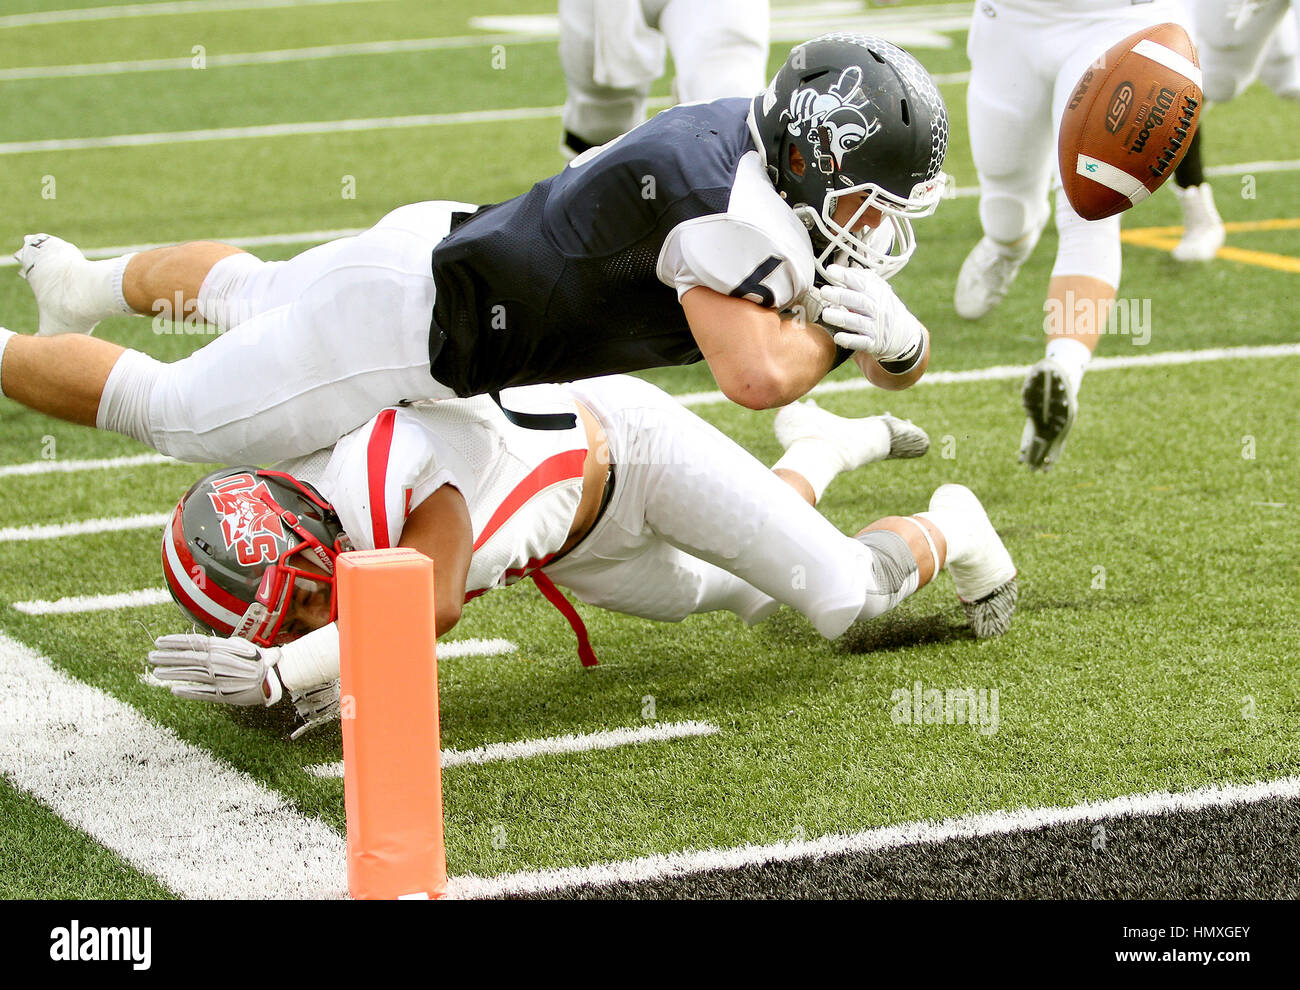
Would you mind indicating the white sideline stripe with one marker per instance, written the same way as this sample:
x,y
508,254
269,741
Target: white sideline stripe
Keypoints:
x,y
167,807
1111,177
280,130
686,862
1016,372
97,464
397,46
1170,59
121,11
96,603
56,531
528,748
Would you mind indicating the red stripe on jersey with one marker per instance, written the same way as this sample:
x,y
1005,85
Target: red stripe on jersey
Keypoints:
x,y
557,468
377,451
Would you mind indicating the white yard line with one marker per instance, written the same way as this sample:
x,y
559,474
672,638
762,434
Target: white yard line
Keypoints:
x,y
1008,372
168,808
280,130
476,648
219,60
123,11
555,745
95,603
57,531
685,862
98,464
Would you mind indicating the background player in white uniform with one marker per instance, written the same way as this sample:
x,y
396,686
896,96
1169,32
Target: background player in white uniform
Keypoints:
x,y
693,523
1026,56
1238,42
697,236
613,50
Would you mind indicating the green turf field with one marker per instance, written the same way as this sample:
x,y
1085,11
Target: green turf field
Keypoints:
x,y
1156,643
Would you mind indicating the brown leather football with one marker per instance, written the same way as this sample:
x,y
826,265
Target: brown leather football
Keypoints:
x,y
1129,121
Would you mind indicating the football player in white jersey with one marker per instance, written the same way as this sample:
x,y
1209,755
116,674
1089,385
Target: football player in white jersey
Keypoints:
x,y
1237,43
716,232
641,507
613,50
1026,57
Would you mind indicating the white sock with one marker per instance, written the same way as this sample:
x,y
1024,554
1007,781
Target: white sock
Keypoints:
x,y
817,461
1073,355
103,286
955,530
4,339
845,445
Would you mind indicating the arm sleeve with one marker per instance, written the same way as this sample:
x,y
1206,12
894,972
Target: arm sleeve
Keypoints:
x,y
735,257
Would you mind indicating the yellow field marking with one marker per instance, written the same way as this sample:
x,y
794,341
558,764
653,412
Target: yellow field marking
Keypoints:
x,y
1166,239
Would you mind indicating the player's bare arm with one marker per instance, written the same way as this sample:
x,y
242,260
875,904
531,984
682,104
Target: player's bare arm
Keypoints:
x,y
440,528
758,359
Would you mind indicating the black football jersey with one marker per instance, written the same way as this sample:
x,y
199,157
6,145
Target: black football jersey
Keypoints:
x,y
581,276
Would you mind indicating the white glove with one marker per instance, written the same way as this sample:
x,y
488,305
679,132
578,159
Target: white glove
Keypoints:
x,y
210,668
864,314
316,706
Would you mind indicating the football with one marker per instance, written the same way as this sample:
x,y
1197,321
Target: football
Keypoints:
x,y
1129,121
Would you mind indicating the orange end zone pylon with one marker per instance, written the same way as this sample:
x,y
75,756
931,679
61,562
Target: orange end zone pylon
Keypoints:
x,y
392,762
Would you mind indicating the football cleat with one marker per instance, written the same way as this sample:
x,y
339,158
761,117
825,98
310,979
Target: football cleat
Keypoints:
x,y
807,420
51,267
1051,403
906,439
987,274
985,575
1203,232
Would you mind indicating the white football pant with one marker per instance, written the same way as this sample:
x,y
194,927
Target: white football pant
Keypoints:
x,y
696,524
613,50
1233,38
313,347
1026,58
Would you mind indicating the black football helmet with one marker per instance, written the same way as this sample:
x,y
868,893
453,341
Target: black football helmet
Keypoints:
x,y
866,118
227,550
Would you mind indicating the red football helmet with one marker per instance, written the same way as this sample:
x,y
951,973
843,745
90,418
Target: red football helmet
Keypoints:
x,y
229,546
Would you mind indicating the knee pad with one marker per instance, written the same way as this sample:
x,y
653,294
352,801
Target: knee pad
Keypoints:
x,y
1087,247
893,571
1006,217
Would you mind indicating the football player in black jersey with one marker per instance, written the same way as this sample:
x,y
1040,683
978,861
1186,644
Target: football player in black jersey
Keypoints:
x,y
755,235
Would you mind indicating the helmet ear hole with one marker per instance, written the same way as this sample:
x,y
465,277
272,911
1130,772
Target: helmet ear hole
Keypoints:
x,y
796,162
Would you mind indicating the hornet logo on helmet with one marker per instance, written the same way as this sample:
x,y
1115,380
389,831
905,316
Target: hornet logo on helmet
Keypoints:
x,y
836,120
249,524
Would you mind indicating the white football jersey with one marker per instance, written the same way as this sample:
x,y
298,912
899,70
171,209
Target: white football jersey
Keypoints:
x,y
522,486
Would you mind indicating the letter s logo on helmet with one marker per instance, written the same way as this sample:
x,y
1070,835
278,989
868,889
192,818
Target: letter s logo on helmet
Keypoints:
x,y
865,118
228,549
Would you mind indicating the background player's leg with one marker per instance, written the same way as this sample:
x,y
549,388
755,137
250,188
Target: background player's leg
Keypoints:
x,y
719,48
1009,107
595,42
